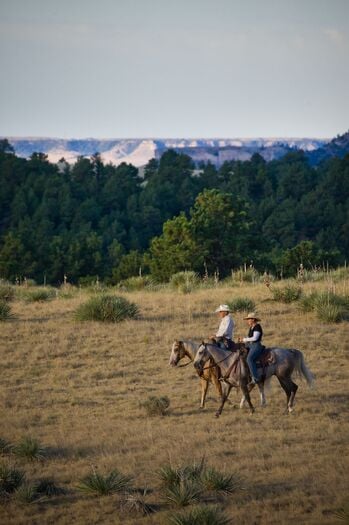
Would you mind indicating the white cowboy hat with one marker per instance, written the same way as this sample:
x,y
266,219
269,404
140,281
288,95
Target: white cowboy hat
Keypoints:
x,y
252,315
222,308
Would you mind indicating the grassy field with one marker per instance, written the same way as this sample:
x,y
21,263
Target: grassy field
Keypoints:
x,y
77,388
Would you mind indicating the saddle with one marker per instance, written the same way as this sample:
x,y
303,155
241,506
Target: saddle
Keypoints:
x,y
265,359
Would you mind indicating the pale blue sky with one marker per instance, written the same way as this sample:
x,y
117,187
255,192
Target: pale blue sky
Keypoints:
x,y
165,68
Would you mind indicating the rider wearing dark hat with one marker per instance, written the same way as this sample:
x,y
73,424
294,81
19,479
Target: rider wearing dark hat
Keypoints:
x,y
254,343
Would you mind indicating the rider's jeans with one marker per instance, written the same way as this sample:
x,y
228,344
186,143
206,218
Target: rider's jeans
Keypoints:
x,y
253,354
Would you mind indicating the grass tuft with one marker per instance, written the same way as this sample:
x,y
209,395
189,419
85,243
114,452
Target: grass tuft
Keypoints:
x,y
183,493
96,484
343,514
172,476
10,479
5,311
242,304
29,448
201,515
38,295
286,294
27,493
156,406
48,487
106,308
216,481
7,292
5,446
135,504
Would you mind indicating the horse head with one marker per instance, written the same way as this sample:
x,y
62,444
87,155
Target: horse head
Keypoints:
x,y
177,352
201,357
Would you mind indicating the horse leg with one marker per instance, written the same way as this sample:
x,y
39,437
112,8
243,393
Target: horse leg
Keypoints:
x,y
217,383
286,384
261,393
204,387
246,394
225,393
243,398
292,396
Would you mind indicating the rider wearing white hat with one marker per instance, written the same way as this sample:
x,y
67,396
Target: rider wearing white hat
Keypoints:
x,y
225,330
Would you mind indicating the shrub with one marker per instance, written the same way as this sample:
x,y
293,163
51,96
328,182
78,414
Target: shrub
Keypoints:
x,y
67,291
29,448
5,446
48,487
183,493
242,304
98,485
286,294
7,292
135,503
38,295
156,406
5,311
249,276
216,481
329,307
136,283
27,493
330,313
106,308
10,479
201,515
171,476
184,281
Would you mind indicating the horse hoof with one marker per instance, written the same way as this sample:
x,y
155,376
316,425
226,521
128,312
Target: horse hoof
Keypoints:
x,y
217,414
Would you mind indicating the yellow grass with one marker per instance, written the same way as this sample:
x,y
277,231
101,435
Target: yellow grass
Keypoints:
x,y
76,387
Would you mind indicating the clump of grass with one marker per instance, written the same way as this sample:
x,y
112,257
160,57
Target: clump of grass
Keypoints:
x,y
343,514
183,493
242,304
138,282
10,479
134,503
96,484
329,307
106,308
5,446
27,493
5,311
39,295
214,480
249,275
67,291
185,282
7,292
201,515
170,475
156,406
286,294
29,448
47,487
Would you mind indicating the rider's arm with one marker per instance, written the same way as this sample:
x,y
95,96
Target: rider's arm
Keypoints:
x,y
254,338
222,327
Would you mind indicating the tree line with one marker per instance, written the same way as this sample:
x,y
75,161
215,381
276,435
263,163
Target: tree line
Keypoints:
x,y
94,219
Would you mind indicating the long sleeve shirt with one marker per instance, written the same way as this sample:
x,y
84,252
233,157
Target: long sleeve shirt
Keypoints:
x,y
226,327
254,334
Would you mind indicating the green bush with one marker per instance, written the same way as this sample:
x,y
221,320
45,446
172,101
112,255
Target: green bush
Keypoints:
x,y
27,493
10,479
100,485
38,294
329,307
201,515
156,406
106,308
286,294
170,475
29,448
5,446
5,311
214,480
242,304
7,292
183,493
185,281
136,283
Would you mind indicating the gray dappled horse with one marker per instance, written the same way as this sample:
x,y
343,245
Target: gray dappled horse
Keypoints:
x,y
210,372
283,363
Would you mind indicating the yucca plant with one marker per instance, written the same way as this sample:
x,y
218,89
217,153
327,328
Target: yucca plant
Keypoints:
x,y
107,308
343,514
330,313
171,476
27,493
242,304
201,515
5,311
30,448
214,480
7,292
183,493
5,446
96,484
39,295
156,406
286,294
10,479
48,487
134,503
184,281
138,282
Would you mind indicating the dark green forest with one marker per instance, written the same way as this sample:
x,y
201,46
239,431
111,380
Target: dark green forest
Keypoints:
x,y
92,219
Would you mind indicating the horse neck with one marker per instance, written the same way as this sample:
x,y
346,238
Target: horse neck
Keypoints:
x,y
191,348
218,354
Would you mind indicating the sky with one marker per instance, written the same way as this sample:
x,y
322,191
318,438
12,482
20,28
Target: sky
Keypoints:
x,y
173,69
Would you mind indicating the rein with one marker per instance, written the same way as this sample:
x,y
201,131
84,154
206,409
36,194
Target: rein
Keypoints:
x,y
186,364
217,363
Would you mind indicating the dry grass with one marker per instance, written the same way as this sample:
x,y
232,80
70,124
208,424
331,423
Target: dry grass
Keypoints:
x,y
77,388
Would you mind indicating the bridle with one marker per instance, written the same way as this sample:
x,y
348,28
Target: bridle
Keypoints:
x,y
215,363
181,346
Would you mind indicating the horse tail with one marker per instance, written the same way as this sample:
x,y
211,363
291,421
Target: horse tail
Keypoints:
x,y
302,369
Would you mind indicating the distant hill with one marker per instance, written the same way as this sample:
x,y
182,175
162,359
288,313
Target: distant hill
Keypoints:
x,y
139,151
337,147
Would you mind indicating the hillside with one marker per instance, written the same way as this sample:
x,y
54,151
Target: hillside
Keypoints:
x,y
139,151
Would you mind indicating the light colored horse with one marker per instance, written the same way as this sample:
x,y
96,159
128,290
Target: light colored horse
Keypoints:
x,y
210,372
235,371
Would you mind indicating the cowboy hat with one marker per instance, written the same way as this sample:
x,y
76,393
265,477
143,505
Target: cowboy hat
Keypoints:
x,y
252,315
222,308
